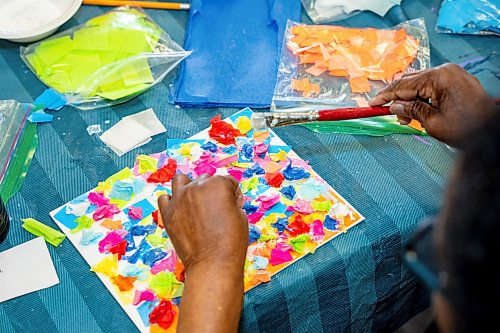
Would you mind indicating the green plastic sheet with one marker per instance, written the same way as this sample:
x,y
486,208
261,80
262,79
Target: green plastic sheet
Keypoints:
x,y
375,126
15,156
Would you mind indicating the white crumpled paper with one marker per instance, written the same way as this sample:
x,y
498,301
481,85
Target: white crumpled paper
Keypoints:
x,y
321,11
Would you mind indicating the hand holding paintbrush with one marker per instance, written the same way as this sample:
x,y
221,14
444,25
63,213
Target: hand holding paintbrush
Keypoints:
x,y
262,120
449,103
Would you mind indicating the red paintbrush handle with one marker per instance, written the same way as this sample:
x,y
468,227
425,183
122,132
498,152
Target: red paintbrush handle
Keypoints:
x,y
353,113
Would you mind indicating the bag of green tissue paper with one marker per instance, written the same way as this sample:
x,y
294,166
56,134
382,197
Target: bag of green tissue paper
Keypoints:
x,y
106,61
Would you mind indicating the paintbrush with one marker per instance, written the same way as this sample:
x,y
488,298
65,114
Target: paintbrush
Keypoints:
x,y
263,120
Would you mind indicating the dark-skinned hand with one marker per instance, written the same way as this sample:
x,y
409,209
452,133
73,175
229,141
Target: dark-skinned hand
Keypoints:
x,y
209,230
205,220
449,102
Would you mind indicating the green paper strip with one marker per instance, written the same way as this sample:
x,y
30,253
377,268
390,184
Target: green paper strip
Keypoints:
x,y
37,228
376,126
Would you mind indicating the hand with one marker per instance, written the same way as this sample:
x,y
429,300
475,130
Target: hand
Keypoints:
x,y
446,100
209,230
205,220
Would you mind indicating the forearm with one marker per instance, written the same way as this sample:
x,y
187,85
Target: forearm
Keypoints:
x,y
212,299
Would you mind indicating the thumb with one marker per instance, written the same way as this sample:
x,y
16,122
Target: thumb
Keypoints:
x,y
412,110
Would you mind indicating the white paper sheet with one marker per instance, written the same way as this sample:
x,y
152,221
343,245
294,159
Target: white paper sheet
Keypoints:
x,y
26,268
125,135
132,131
148,119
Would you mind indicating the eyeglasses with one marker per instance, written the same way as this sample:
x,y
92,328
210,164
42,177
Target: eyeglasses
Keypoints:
x,y
420,256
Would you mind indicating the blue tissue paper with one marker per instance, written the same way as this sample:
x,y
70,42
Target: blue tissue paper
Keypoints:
x,y
51,99
40,117
236,46
469,17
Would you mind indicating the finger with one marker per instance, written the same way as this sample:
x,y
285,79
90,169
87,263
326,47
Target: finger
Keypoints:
x,y
180,180
402,120
235,189
412,110
163,203
398,109
240,201
410,74
233,181
407,89
202,178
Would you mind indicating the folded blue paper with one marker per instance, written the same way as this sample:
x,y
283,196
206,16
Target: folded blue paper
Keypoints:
x,y
40,117
469,17
51,99
236,46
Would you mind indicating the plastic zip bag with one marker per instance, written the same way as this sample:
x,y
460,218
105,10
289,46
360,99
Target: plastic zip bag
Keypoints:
x,y
322,11
18,142
328,66
477,17
107,60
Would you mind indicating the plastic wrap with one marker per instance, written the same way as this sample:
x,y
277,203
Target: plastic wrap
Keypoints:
x,y
375,126
107,60
477,17
322,11
18,142
329,66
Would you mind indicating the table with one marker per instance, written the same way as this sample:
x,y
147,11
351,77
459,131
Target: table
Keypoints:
x,y
355,283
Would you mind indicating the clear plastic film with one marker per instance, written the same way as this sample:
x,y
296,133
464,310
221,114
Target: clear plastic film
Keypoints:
x,y
375,126
477,17
18,142
322,11
326,66
107,60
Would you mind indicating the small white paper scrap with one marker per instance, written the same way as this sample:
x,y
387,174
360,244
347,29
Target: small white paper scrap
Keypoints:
x,y
94,129
148,119
26,268
328,10
132,132
125,135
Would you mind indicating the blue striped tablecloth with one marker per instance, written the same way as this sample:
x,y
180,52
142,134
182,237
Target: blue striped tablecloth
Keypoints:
x,y
356,283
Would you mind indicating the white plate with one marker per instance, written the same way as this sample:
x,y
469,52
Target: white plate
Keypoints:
x,y
26,21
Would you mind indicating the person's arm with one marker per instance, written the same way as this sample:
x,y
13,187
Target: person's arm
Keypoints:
x,y
449,102
212,299
209,232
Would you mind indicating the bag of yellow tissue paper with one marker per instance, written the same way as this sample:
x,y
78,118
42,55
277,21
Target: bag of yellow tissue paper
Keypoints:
x,y
108,60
